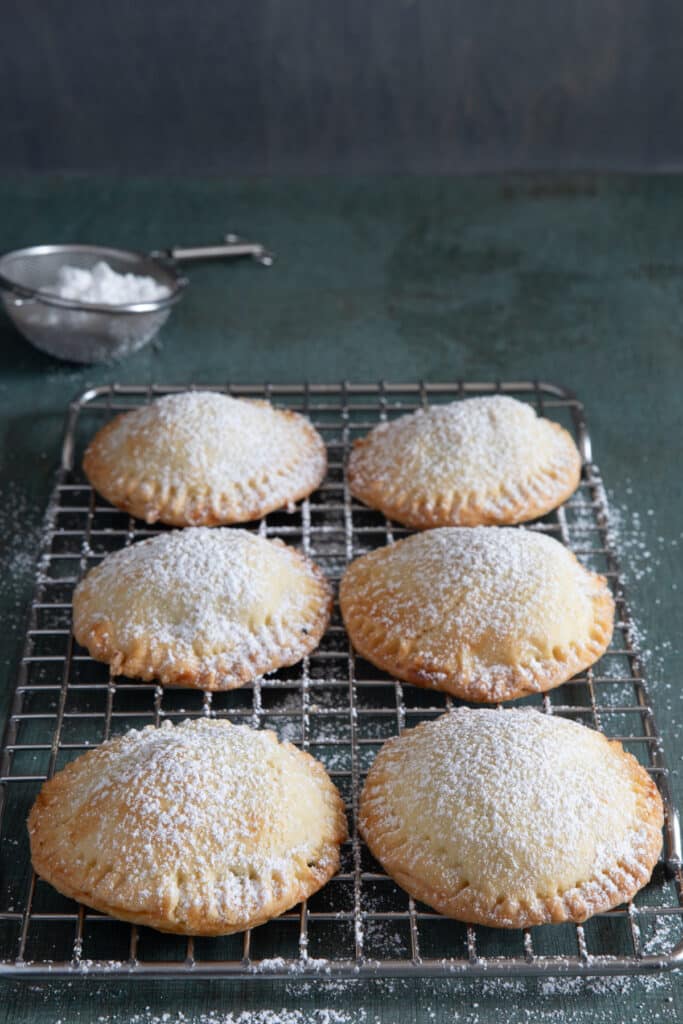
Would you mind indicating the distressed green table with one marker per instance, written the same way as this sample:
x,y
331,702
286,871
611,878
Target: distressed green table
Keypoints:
x,y
577,280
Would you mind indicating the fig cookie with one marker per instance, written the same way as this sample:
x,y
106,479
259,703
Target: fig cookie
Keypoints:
x,y
512,818
200,458
204,828
210,609
477,462
484,613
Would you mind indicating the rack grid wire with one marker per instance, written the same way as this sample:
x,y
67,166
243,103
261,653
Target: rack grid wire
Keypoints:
x,y
333,704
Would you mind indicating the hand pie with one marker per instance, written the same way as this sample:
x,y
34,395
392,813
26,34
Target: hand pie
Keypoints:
x,y
471,463
204,828
486,614
200,459
204,608
512,818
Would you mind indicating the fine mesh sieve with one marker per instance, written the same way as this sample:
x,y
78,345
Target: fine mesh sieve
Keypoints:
x,y
89,332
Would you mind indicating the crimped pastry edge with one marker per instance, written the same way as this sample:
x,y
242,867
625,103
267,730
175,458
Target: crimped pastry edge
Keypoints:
x,y
146,499
518,501
147,658
506,682
590,896
199,921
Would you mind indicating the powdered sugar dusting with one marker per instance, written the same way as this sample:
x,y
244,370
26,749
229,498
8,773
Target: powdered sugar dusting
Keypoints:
x,y
564,999
263,1016
490,579
209,593
104,285
640,999
208,440
478,444
521,804
203,820
510,595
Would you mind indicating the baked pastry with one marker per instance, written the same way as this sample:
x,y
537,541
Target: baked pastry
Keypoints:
x,y
200,459
204,828
477,462
512,818
485,613
204,608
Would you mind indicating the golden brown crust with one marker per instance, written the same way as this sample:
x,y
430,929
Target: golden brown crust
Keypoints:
x,y
456,667
149,495
148,654
415,865
408,500
184,898
511,681
102,892
149,659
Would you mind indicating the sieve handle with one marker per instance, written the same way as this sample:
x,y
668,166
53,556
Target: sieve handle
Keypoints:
x,y
232,246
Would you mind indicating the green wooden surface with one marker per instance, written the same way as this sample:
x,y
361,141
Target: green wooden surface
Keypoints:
x,y
577,280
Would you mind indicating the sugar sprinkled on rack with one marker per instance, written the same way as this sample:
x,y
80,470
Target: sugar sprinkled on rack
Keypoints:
x,y
628,537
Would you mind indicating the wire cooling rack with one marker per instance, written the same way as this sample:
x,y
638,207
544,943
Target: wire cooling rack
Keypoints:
x,y
333,704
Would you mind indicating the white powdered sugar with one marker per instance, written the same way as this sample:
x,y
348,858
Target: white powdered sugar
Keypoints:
x,y
487,580
511,596
521,804
210,593
103,286
478,444
207,440
203,819
639,999
262,1016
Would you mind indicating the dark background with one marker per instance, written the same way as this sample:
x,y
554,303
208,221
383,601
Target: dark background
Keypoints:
x,y
310,86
